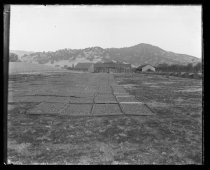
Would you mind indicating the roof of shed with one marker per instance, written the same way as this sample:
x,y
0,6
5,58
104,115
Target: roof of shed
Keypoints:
x,y
83,65
111,64
140,67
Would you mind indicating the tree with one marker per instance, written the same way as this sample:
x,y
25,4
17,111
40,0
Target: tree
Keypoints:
x,y
189,67
13,57
198,67
162,67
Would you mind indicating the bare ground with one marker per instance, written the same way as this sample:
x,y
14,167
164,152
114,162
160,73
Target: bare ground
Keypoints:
x,y
172,136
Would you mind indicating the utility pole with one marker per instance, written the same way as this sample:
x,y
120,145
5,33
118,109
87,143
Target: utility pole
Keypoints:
x,y
5,70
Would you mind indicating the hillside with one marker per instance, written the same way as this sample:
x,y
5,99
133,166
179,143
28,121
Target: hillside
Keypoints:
x,y
149,54
135,55
20,53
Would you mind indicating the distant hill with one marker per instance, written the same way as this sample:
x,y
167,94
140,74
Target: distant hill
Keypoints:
x,y
20,53
148,54
136,55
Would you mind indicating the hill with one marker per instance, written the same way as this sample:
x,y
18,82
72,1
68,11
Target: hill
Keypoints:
x,y
136,55
148,54
20,53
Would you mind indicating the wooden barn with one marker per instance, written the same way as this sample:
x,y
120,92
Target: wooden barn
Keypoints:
x,y
111,67
145,68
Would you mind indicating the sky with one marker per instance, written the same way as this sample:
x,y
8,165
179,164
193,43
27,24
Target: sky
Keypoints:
x,y
52,27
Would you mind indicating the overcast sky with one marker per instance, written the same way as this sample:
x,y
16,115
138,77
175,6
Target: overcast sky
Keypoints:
x,y
49,28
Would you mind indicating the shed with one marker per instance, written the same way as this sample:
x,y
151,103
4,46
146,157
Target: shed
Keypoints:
x,y
183,74
83,66
146,68
112,67
191,75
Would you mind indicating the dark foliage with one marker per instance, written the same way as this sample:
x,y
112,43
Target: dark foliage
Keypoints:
x,y
180,68
13,58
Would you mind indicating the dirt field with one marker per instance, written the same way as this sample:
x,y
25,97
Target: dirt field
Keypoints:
x,y
21,67
172,135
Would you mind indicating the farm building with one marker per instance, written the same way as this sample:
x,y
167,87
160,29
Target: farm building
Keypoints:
x,y
111,67
145,68
83,66
107,67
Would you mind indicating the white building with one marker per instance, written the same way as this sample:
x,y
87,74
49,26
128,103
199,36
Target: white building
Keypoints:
x,y
146,68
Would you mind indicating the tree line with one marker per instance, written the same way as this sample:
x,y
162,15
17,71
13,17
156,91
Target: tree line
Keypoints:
x,y
180,68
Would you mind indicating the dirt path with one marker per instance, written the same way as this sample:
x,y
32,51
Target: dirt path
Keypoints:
x,y
82,95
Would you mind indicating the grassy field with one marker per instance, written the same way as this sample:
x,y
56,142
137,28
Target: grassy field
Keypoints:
x,y
177,102
21,67
172,136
